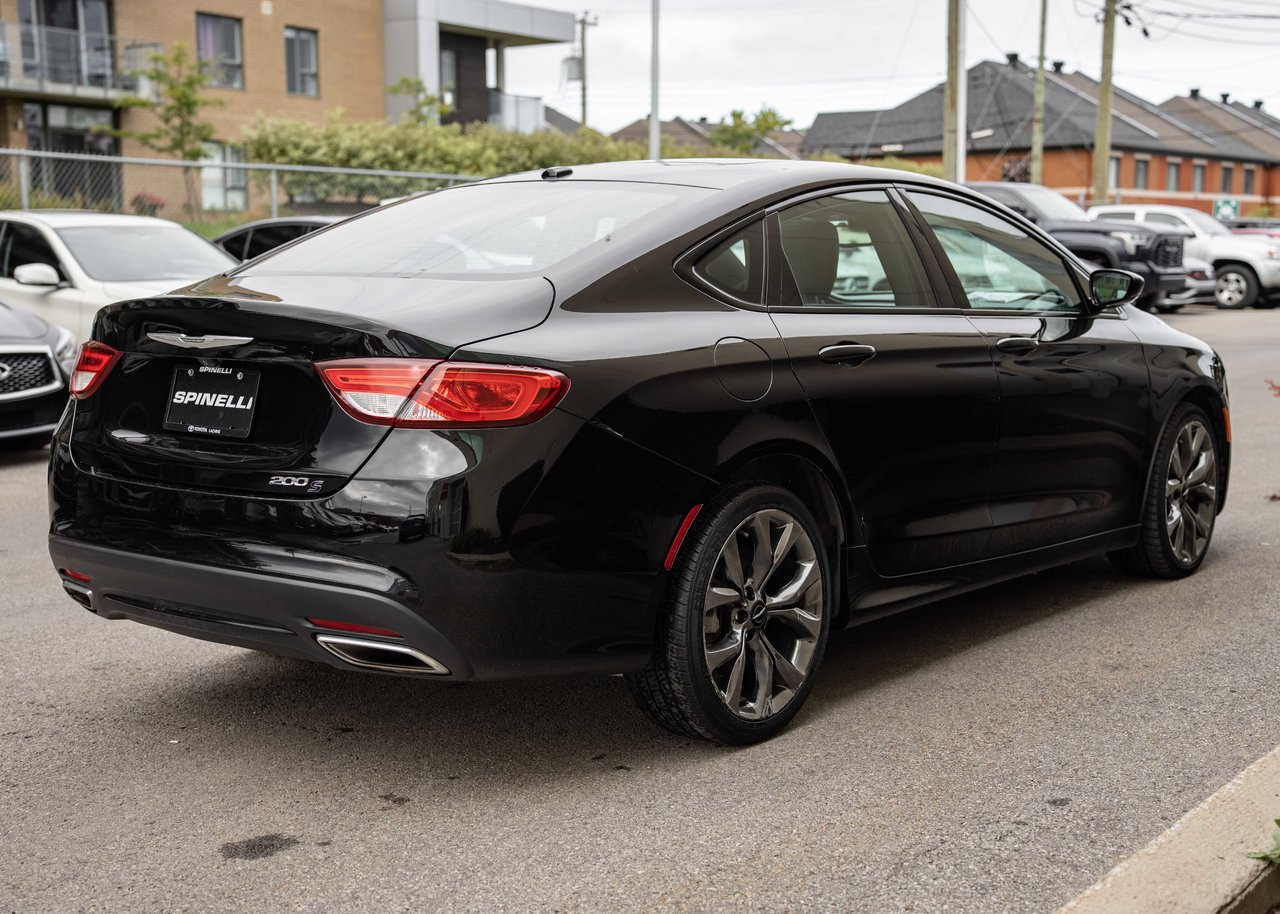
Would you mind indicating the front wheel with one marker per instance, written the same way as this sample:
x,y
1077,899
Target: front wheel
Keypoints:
x,y
746,620
1181,501
1236,286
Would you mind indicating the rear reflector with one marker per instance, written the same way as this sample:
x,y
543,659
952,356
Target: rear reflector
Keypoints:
x,y
75,575
336,626
93,362
410,393
680,535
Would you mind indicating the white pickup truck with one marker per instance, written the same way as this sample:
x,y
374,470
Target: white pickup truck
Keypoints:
x,y
1247,267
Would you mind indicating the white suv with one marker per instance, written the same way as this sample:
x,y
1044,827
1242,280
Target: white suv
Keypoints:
x,y
1247,267
64,265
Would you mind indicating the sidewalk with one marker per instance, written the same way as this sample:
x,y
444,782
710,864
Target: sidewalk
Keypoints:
x,y
1200,865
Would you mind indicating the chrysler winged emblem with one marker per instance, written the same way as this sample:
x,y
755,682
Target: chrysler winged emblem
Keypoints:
x,y
199,342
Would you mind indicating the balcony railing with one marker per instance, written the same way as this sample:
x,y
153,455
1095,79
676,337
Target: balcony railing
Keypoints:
x,y
68,62
517,113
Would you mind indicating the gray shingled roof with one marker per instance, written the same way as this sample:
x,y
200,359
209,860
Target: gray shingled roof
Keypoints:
x,y
1229,126
1000,101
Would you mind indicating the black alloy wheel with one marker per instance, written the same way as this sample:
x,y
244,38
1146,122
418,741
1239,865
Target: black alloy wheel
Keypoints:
x,y
1181,502
746,620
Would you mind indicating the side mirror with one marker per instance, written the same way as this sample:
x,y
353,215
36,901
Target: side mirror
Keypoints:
x,y
1112,288
36,274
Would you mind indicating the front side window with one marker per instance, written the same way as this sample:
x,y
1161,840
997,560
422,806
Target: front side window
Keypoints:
x,y
999,265
219,46
24,244
735,266
302,61
853,251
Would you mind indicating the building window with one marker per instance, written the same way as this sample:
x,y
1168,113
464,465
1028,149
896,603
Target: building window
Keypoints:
x,y
1197,179
1140,169
302,61
1113,172
1248,182
223,188
1173,176
1227,174
219,45
448,77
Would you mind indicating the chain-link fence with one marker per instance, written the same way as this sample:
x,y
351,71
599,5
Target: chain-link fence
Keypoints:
x,y
207,196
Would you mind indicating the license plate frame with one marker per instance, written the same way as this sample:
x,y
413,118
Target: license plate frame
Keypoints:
x,y
216,401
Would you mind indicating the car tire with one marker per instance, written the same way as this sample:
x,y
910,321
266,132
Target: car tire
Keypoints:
x,y
1181,502
1168,309
734,661
1236,286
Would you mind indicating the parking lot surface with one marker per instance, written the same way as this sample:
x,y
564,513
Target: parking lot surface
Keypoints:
x,y
995,752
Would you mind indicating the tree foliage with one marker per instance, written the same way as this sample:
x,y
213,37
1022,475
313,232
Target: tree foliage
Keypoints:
x,y
179,81
741,133
425,108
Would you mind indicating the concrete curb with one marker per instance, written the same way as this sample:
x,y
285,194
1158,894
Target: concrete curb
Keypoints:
x,y
1199,864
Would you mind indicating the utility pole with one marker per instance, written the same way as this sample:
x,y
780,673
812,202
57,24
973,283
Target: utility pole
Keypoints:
x,y
955,128
655,130
1102,132
586,22
1037,116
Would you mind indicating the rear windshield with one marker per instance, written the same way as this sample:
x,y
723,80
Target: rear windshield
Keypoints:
x,y
518,227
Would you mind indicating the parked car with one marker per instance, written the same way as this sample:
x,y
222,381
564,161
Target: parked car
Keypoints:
x,y
1247,268
36,359
614,419
1200,289
248,241
1155,255
63,265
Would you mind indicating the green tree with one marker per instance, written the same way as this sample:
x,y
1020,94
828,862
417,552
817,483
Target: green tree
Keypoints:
x,y
425,107
178,80
741,133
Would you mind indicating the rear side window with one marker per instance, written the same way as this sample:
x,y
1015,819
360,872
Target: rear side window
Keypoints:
x,y
735,266
999,266
850,251
1118,214
484,230
234,244
269,237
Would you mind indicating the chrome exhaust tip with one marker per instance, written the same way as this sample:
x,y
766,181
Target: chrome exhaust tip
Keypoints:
x,y
381,655
81,594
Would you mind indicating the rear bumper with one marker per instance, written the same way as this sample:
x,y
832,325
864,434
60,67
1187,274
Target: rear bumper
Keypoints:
x,y
270,613
498,554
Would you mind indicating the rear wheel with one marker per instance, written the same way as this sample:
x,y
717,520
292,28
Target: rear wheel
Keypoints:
x,y
1236,287
746,620
1181,502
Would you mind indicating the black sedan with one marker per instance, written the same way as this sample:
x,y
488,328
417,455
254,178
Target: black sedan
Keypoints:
x,y
673,420
35,361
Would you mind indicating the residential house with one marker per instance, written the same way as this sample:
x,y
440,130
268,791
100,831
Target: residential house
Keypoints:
x,y
1159,153
696,134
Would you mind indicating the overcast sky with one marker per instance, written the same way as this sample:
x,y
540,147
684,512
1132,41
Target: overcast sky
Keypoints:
x,y
807,56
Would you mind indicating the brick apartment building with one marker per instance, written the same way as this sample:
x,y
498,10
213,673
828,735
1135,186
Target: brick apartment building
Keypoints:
x,y
1188,151
64,62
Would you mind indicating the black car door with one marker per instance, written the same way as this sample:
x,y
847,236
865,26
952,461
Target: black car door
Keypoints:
x,y
905,390
1073,387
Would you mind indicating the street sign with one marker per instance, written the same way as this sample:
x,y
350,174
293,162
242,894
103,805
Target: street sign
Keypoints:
x,y
1226,209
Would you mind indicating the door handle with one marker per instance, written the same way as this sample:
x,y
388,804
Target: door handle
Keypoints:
x,y
849,354
1017,345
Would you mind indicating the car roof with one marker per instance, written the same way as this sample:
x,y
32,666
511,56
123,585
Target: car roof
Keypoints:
x,y
722,174
68,218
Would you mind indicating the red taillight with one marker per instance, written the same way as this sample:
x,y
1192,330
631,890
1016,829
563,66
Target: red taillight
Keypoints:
x,y
335,625
373,390
93,362
451,395
75,575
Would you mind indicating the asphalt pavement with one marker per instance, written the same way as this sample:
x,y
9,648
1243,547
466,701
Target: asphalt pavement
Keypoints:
x,y
996,752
